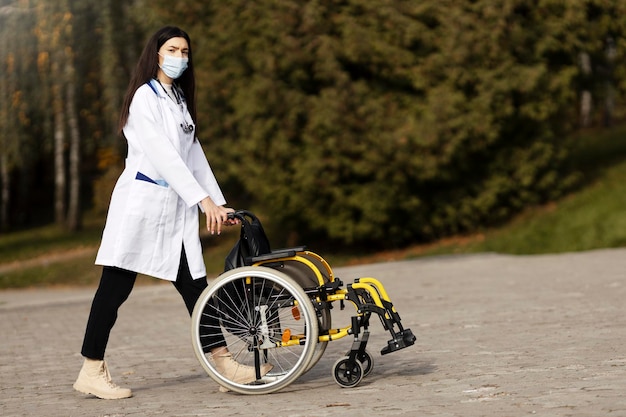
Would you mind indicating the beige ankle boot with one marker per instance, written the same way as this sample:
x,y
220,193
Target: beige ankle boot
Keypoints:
x,y
94,378
234,371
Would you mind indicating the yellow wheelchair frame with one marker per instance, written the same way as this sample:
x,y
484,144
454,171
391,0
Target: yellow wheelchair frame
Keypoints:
x,y
276,309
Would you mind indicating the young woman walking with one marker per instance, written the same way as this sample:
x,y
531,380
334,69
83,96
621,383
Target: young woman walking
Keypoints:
x,y
152,226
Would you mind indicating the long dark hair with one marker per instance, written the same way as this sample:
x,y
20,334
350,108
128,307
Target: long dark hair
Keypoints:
x,y
148,67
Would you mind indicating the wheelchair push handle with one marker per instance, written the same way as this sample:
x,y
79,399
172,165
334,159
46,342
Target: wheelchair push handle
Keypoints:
x,y
241,215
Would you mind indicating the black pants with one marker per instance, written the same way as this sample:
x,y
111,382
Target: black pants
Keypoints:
x,y
115,287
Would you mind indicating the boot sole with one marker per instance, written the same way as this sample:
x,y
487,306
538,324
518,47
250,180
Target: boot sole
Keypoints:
x,y
85,390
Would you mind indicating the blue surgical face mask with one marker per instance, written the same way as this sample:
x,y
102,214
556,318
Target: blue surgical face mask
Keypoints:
x,y
173,66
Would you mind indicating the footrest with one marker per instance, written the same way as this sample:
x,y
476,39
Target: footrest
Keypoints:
x,y
404,339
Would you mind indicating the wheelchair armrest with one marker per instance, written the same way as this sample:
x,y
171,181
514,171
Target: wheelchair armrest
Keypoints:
x,y
275,254
295,249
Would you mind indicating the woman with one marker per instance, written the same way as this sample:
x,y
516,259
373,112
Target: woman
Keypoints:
x,y
152,224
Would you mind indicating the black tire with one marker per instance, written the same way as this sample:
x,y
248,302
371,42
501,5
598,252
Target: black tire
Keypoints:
x,y
347,373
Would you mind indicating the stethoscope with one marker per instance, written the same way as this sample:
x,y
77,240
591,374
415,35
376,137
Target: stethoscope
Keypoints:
x,y
178,98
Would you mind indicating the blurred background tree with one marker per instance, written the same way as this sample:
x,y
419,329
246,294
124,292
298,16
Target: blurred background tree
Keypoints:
x,y
376,122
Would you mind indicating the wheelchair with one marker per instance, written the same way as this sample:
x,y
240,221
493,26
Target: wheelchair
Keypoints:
x,y
274,306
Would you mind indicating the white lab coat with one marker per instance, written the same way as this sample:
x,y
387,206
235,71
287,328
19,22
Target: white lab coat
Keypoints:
x,y
154,206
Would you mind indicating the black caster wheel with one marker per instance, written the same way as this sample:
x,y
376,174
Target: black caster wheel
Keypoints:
x,y
348,373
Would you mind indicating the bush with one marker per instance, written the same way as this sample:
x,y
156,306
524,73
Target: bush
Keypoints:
x,y
393,122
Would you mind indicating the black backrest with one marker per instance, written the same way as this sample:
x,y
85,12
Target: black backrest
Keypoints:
x,y
252,241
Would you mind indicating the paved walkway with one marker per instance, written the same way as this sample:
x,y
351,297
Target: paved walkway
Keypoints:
x,y
496,336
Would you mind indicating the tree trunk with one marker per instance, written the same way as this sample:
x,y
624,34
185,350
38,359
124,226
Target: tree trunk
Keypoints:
x,y
109,68
60,179
4,155
4,137
74,214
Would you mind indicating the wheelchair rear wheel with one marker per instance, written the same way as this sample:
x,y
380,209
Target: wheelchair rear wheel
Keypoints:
x,y
304,274
324,324
264,317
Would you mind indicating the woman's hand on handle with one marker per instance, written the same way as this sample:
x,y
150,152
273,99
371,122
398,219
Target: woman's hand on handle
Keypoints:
x,y
216,216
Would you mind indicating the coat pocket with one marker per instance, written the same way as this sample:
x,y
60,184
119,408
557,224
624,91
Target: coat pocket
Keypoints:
x,y
149,199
